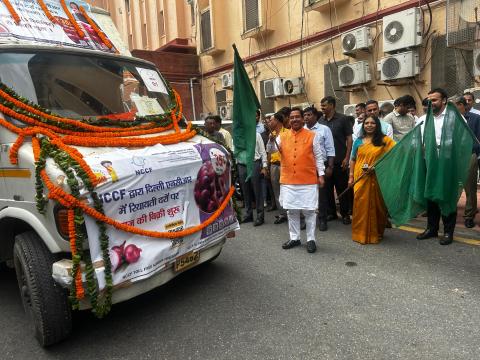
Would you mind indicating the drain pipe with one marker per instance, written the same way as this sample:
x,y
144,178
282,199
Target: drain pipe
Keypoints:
x,y
193,99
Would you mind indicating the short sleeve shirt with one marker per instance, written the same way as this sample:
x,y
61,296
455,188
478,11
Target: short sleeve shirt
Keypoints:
x,y
341,128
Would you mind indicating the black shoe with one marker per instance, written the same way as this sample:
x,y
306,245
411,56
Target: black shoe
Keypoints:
x,y
290,244
280,219
427,234
346,220
332,217
247,219
469,223
271,208
388,225
322,225
311,246
258,222
446,239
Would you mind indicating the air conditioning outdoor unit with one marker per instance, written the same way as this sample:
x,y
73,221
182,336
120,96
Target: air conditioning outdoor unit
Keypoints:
x,y
227,80
273,87
293,86
225,111
399,66
354,73
356,39
476,62
349,110
402,30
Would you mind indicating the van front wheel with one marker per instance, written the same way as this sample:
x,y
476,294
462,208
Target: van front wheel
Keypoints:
x,y
44,301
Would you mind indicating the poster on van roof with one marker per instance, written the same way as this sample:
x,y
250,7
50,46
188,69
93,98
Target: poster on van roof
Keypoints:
x,y
35,26
166,188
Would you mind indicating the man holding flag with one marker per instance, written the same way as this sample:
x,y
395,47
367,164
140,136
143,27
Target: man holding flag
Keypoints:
x,y
432,172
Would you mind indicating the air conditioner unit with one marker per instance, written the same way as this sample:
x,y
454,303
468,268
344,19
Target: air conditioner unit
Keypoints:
x,y
356,39
227,80
293,86
354,73
273,87
399,66
476,62
349,110
225,111
402,30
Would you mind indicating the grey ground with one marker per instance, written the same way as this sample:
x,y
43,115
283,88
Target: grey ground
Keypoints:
x,y
401,299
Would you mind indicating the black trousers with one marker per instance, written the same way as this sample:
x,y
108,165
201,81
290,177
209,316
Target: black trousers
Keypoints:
x,y
252,189
337,182
433,218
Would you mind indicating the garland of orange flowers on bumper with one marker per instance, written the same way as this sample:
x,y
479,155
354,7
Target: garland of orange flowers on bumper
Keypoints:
x,y
99,32
12,11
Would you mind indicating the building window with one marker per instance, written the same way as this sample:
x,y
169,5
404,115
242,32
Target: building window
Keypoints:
x,y
127,6
251,20
161,23
206,30
332,85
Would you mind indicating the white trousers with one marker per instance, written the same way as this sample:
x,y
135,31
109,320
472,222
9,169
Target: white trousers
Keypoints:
x,y
294,223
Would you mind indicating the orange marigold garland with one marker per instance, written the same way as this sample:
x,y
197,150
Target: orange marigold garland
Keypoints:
x,y
76,269
47,12
12,11
77,27
99,32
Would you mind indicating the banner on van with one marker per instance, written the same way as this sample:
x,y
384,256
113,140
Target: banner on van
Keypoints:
x,y
36,26
159,188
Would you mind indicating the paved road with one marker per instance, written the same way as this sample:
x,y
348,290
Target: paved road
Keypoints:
x,y
402,299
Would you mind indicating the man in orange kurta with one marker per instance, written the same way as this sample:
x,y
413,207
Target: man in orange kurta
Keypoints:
x,y
302,169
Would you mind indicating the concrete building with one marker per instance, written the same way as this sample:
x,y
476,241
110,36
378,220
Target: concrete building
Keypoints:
x,y
163,32
288,40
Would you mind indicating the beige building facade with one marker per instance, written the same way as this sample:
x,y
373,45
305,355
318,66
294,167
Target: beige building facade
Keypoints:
x,y
288,40
150,24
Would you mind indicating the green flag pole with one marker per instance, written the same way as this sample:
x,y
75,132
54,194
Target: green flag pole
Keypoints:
x,y
245,105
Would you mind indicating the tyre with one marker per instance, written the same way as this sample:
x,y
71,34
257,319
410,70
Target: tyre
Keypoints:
x,y
45,302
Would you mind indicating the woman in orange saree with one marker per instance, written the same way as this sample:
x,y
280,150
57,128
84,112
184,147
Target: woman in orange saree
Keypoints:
x,y
369,213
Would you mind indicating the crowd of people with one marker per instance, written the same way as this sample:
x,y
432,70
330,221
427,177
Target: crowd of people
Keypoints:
x,y
308,160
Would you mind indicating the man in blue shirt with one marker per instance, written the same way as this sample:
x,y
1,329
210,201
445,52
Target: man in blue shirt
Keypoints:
x,y
326,138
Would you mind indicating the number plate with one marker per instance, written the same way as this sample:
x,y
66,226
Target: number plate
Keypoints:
x,y
185,261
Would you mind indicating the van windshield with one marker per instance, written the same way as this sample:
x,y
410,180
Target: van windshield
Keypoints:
x,y
79,86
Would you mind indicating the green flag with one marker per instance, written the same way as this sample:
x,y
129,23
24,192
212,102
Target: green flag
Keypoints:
x,y
401,177
448,163
245,105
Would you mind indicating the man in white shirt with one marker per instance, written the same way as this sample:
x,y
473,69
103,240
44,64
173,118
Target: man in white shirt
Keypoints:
x,y
302,171
225,133
438,97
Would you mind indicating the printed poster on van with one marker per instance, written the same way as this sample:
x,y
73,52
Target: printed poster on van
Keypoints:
x,y
159,188
36,26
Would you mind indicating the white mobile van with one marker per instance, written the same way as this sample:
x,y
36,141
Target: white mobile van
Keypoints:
x,y
63,93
